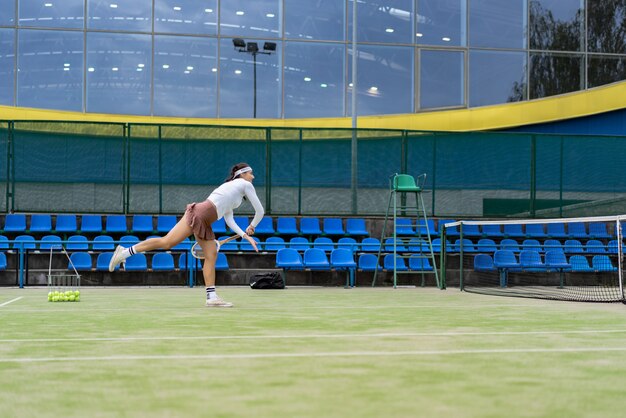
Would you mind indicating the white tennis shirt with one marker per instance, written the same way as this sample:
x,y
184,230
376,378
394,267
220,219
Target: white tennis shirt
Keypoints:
x,y
229,196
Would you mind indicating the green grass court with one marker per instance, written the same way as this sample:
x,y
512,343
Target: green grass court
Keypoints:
x,y
308,352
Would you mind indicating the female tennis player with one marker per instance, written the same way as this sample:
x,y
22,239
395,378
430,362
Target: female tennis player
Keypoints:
x,y
198,219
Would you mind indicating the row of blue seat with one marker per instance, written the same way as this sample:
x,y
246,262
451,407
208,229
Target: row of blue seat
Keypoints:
x,y
42,223
571,246
343,259
107,242
484,245
531,261
597,230
82,261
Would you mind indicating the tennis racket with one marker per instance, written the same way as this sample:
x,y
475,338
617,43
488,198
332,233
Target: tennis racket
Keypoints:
x,y
197,252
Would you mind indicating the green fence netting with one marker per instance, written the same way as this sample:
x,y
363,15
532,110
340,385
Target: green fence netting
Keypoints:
x,y
152,168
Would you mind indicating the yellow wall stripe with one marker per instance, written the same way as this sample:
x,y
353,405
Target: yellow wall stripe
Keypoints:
x,y
567,106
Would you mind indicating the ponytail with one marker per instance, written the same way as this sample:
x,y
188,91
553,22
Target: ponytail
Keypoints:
x,y
233,170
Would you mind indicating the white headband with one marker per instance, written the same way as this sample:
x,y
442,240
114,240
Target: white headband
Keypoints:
x,y
241,171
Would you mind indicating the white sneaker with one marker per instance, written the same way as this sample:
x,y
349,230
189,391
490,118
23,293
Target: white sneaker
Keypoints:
x,y
218,303
116,258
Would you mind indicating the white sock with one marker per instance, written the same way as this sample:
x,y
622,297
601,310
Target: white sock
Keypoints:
x,y
211,293
128,252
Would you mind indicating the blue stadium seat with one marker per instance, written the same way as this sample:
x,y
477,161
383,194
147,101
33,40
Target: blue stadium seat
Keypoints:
x,y
315,259
15,222
556,230
580,264
229,246
128,241
324,243
348,243
530,260
370,244
419,264
184,245
142,224
573,246
505,259
136,262
49,242
486,245
80,261
356,227
165,223
333,226
594,246
602,263
40,223
103,243
242,222
577,230
404,226
77,243
27,242
342,259
300,243
310,226
425,228
219,227
388,263
532,244
102,262
483,262
556,260
265,227
289,259
274,244
612,246
286,226
221,263
451,231
468,245
3,261
189,263
492,230
244,245
513,231
400,247
116,224
598,230
66,224
91,224
552,244
418,245
509,244
4,243
163,262
470,231
437,245
535,231
369,262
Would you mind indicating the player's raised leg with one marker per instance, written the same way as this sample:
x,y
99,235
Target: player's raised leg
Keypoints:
x,y
176,235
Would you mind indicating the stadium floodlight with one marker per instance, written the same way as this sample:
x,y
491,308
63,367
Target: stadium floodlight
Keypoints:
x,y
252,48
239,43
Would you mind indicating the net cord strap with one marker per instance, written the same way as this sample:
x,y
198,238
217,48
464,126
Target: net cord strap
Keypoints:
x,y
538,221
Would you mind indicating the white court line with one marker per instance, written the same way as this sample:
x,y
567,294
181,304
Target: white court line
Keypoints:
x,y
292,307
316,336
11,301
311,355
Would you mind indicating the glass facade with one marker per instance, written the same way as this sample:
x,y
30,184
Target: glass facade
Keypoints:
x,y
293,58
